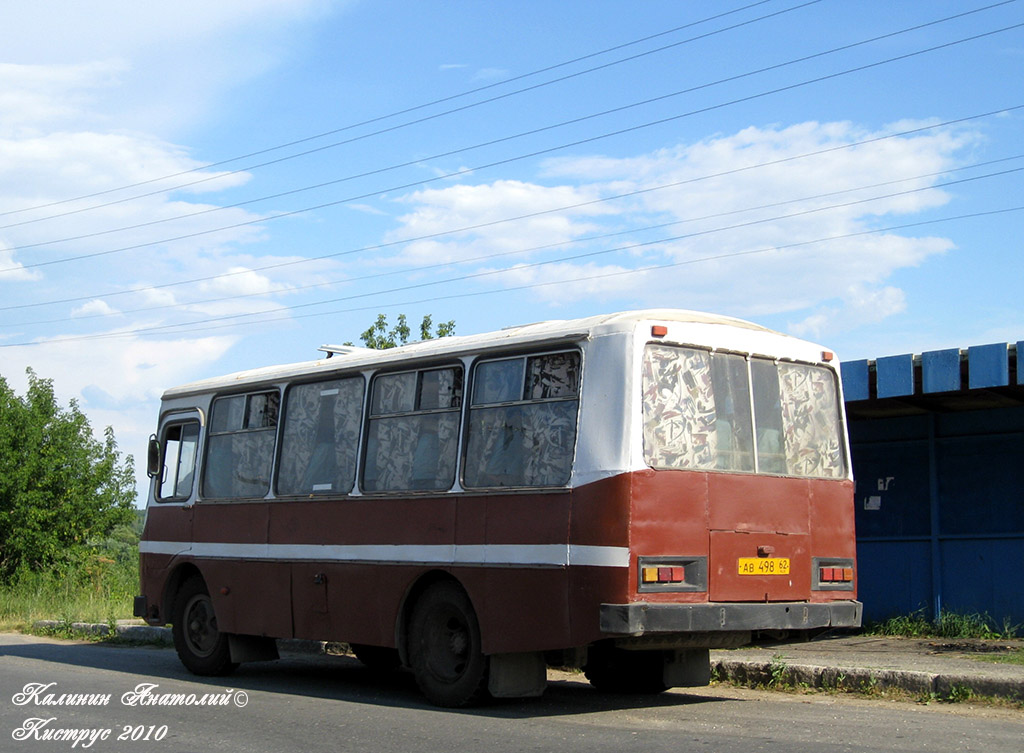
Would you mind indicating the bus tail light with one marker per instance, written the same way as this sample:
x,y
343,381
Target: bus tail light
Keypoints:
x,y
664,575
831,574
835,574
672,574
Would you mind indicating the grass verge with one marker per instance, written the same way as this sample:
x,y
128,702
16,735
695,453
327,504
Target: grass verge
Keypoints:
x,y
777,675
948,625
96,597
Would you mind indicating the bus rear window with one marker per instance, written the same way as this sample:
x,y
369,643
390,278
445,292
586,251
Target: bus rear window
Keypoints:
x,y
697,414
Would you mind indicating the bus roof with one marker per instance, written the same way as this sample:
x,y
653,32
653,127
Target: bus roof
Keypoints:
x,y
340,358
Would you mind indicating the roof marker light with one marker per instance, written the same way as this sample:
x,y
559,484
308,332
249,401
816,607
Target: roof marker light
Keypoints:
x,y
827,355
658,330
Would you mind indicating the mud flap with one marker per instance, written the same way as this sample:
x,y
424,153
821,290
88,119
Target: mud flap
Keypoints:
x,y
523,675
689,668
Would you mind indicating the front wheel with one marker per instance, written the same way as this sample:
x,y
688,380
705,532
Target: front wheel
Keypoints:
x,y
202,648
445,647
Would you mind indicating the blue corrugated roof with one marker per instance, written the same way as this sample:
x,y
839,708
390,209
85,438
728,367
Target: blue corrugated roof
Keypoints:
x,y
932,372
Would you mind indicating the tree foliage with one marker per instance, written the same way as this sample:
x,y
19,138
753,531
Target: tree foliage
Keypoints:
x,y
61,490
379,337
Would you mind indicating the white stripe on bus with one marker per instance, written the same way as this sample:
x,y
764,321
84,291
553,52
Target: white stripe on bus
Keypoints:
x,y
555,555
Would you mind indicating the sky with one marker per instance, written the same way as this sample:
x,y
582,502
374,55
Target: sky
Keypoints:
x,y
193,189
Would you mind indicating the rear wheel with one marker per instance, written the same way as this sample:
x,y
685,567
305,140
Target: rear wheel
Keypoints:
x,y
202,648
614,670
445,647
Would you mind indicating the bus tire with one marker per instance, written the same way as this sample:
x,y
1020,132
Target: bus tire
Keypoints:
x,y
376,657
614,670
202,648
445,647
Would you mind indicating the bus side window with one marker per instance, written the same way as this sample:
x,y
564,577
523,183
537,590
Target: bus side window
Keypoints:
x,y
320,437
240,448
522,427
179,461
412,435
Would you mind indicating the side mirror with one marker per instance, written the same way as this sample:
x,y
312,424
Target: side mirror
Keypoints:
x,y
154,466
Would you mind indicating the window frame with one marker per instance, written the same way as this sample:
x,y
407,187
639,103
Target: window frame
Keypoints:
x,y
282,429
523,400
750,359
178,422
370,416
211,435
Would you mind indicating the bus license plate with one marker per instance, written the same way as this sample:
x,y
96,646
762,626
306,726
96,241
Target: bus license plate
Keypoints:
x,y
764,566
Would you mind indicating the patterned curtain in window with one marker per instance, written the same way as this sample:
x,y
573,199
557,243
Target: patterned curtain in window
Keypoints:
x,y
679,409
810,417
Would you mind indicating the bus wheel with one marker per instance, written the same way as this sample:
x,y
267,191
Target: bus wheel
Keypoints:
x,y
202,648
614,670
376,657
444,647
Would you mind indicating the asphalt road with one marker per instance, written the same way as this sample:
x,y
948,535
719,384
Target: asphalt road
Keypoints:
x,y
310,704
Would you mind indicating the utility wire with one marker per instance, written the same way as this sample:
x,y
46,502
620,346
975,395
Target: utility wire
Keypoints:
x,y
414,108
606,275
444,233
504,139
585,255
559,244
602,252
536,153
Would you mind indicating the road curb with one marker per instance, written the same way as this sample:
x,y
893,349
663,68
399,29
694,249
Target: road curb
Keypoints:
x,y
928,684
123,629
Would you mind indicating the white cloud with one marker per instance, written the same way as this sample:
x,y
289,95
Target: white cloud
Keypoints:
x,y
860,305
482,207
190,51
11,270
243,282
98,96
95,307
752,227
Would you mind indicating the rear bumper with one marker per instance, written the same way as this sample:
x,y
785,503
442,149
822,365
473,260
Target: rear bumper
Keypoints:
x,y
643,619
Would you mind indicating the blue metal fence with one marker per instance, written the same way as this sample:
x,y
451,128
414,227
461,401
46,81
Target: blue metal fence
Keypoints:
x,y
938,456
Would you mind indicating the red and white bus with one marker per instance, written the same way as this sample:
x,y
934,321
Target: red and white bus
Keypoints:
x,y
619,493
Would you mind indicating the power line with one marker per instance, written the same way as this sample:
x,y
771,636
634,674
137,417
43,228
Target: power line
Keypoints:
x,y
413,109
493,142
577,257
588,278
538,213
497,163
591,254
574,241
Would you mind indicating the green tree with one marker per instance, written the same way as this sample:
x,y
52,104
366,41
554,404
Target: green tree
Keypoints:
x,y
61,489
379,337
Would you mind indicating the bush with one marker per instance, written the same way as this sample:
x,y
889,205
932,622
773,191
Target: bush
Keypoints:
x,y
61,489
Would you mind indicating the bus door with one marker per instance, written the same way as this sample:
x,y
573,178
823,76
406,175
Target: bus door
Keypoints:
x,y
249,587
169,518
167,536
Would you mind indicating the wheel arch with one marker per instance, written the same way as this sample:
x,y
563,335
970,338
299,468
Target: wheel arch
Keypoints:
x,y
181,573
412,595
